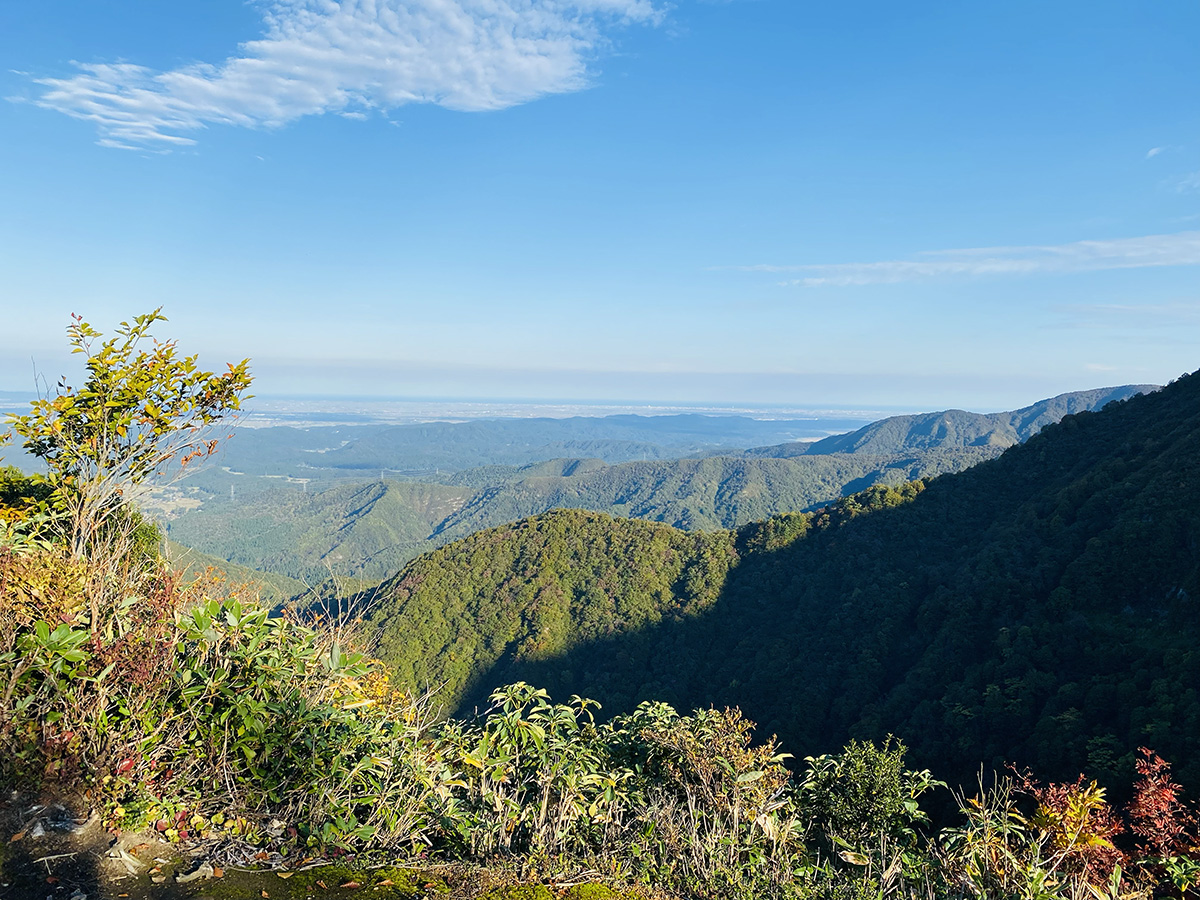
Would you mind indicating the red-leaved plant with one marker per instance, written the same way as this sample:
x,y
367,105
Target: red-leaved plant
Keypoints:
x,y
1166,828
1156,813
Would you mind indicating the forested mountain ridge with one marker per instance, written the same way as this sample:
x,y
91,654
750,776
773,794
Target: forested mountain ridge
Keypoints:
x,y
709,493
1039,608
955,428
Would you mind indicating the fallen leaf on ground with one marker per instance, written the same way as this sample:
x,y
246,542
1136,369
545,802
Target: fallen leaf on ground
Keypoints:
x,y
285,874
350,884
218,872
16,837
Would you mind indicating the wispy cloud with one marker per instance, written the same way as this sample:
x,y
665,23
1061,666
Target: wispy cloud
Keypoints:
x,y
320,56
1189,183
1154,151
1182,249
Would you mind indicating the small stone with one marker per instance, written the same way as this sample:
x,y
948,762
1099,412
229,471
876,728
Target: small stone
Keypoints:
x,y
204,871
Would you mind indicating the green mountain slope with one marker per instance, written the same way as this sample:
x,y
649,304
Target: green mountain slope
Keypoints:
x,y
274,589
1040,608
370,531
709,493
360,530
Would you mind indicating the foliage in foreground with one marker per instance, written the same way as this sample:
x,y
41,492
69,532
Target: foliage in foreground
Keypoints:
x,y
203,715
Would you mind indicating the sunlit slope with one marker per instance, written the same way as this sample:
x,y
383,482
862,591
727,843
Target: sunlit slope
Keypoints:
x,y
709,493
271,588
1040,608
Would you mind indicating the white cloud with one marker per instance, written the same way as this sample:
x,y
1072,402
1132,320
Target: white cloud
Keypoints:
x,y
1189,183
321,56
1182,249
1154,151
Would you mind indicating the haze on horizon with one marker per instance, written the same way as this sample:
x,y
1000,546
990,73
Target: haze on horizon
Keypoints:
x,y
706,201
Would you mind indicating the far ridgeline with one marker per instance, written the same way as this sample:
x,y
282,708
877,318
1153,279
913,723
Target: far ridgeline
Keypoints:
x,y
957,429
1040,608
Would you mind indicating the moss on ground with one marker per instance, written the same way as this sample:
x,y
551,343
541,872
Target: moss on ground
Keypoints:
x,y
592,892
519,892
334,881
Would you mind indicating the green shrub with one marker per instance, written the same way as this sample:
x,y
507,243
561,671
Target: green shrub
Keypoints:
x,y
864,794
715,815
535,778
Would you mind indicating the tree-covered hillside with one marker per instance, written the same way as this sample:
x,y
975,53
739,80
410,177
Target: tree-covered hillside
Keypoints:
x,y
268,586
357,530
1039,608
710,493
534,589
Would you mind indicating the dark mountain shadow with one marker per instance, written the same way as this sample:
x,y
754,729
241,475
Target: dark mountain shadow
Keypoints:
x,y
1039,609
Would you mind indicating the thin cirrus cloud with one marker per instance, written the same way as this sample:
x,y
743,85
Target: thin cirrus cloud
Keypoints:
x,y
1181,249
352,57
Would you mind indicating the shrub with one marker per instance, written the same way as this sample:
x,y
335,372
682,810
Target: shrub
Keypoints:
x,y
862,811
535,778
715,815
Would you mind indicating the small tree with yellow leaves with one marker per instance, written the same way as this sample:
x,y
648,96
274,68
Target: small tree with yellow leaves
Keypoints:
x,y
143,411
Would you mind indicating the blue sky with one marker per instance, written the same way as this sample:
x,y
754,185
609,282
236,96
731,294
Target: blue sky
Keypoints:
x,y
863,203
